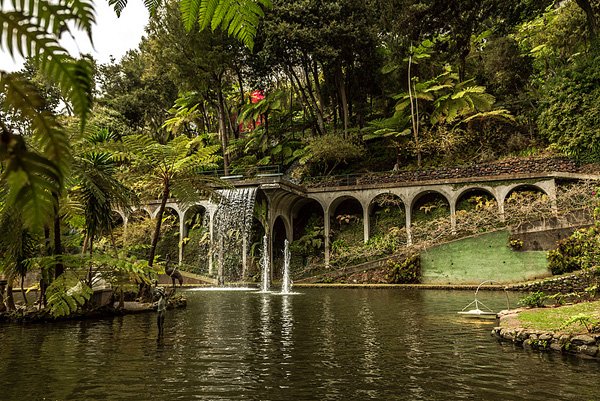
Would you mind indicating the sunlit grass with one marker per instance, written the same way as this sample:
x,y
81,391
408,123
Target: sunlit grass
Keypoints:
x,y
552,319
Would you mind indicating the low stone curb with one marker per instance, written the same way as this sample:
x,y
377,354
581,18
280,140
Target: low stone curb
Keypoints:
x,y
581,345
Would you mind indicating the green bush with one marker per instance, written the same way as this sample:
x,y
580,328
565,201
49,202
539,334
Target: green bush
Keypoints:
x,y
579,251
407,271
533,300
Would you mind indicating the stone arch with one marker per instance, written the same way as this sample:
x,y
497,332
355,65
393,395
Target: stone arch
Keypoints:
x,y
523,187
346,215
287,225
428,196
385,211
477,189
121,214
308,218
139,212
529,204
426,208
476,208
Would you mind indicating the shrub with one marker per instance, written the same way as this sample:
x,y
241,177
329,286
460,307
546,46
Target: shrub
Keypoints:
x,y
591,324
579,251
407,271
533,300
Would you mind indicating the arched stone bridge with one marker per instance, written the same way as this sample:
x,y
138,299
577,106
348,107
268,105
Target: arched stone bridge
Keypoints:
x,y
286,199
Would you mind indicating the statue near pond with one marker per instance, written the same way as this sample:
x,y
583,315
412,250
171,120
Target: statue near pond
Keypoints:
x,y
173,272
161,308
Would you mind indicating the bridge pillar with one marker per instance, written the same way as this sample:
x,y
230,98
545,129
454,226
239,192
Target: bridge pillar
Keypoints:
x,y
366,223
408,210
453,217
501,209
327,230
211,234
183,230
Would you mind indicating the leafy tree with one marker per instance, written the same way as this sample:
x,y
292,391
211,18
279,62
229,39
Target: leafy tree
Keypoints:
x,y
569,111
203,65
330,151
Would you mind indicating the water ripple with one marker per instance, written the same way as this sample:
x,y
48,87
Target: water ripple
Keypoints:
x,y
324,345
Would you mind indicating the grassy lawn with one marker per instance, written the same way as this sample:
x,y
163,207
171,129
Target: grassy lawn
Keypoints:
x,y
551,319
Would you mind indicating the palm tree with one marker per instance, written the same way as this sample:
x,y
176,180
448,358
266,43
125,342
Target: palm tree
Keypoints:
x,y
96,189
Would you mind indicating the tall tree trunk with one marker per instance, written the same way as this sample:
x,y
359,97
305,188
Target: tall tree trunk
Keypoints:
x,y
238,73
205,120
59,267
316,104
90,271
23,290
223,127
590,15
308,106
85,244
2,305
414,119
44,279
339,78
315,73
10,299
159,216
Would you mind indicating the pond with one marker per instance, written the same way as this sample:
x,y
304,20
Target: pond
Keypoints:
x,y
324,344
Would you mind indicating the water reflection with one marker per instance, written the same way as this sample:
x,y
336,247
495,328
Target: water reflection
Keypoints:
x,y
323,345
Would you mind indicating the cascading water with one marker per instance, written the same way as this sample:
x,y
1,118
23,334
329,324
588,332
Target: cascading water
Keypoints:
x,y
286,286
265,265
232,230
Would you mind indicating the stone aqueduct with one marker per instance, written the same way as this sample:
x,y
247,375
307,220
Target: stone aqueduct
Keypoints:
x,y
285,199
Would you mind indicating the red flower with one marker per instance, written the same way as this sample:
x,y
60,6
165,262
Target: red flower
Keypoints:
x,y
256,96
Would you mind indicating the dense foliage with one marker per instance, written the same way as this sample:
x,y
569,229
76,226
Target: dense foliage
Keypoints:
x,y
317,87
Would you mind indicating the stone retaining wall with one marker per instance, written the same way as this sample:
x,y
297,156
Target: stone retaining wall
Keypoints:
x,y
576,282
584,345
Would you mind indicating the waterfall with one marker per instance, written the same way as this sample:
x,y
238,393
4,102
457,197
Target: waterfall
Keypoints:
x,y
265,265
286,286
232,230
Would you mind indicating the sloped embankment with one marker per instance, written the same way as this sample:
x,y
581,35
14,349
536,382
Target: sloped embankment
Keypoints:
x,y
483,257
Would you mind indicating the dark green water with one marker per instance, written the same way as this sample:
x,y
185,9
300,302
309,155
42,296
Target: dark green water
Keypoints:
x,y
347,344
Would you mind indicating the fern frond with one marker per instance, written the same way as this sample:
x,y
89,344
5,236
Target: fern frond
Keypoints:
x,y
190,11
66,294
152,5
501,114
118,6
22,95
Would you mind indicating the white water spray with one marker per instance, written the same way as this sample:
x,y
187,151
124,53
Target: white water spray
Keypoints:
x,y
265,265
286,286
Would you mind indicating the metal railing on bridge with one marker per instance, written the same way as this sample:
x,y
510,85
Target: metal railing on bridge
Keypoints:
x,y
241,173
